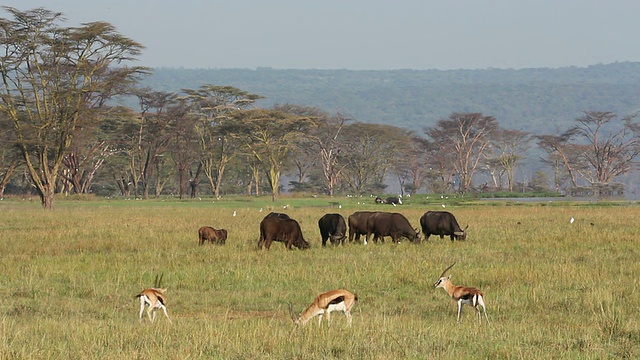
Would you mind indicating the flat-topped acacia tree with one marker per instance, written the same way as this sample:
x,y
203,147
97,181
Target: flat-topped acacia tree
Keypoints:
x,y
56,79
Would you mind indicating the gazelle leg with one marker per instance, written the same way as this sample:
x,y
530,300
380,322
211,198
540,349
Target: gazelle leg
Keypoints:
x,y
164,309
481,303
149,310
320,320
485,313
348,315
141,307
459,310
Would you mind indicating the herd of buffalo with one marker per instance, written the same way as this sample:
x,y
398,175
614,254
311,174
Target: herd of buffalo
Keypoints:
x,y
333,227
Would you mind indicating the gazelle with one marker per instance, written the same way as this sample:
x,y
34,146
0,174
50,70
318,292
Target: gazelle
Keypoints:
x,y
325,303
155,299
462,295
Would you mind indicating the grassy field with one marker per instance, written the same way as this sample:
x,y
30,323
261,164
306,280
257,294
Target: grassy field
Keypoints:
x,y
553,289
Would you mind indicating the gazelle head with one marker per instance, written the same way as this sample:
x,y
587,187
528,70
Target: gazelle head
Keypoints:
x,y
443,279
296,319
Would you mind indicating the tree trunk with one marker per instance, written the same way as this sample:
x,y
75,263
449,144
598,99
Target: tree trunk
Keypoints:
x,y
46,193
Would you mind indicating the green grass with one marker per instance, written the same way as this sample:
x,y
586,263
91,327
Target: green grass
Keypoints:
x,y
553,289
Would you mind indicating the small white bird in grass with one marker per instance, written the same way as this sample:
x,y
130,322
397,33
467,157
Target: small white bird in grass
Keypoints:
x,y
443,205
234,213
572,220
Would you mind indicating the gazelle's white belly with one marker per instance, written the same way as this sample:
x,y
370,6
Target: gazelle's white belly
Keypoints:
x,y
336,307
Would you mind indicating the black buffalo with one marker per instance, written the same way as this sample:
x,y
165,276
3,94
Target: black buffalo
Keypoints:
x,y
442,223
272,215
390,200
274,228
278,215
383,224
358,224
332,227
393,201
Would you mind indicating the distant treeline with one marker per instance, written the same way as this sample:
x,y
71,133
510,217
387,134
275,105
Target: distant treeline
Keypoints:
x,y
540,100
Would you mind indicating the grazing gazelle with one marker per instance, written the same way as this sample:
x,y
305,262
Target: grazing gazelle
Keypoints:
x,y
462,294
155,299
325,303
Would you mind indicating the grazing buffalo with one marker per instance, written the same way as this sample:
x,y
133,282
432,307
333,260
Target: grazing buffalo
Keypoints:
x,y
358,224
383,224
207,233
442,223
284,230
278,215
332,227
272,215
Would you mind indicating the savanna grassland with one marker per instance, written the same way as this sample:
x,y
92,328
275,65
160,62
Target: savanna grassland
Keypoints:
x,y
553,289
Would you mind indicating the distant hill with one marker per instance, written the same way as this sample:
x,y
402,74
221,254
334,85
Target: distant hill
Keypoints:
x,y
538,100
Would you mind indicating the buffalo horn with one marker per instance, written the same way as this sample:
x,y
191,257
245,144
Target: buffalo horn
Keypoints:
x,y
447,269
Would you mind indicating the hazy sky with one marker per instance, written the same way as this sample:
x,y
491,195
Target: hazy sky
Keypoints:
x,y
366,34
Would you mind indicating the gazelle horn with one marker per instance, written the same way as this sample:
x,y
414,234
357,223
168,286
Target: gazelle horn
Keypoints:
x,y
447,269
291,313
158,282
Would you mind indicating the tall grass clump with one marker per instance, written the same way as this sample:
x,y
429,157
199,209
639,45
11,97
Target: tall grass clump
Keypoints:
x,y
553,289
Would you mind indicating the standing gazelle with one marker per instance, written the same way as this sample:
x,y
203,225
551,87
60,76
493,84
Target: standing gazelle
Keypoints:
x,y
325,303
462,294
155,299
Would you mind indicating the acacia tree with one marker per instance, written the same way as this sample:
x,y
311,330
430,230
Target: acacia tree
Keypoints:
x,y
54,78
182,146
269,136
147,138
211,104
369,151
511,145
9,157
93,146
411,165
439,165
466,136
602,148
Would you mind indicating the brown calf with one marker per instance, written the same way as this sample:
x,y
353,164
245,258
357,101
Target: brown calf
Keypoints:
x,y
207,233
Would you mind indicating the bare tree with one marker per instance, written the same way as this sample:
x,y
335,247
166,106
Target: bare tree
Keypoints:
x,y
54,78
558,151
466,136
330,147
